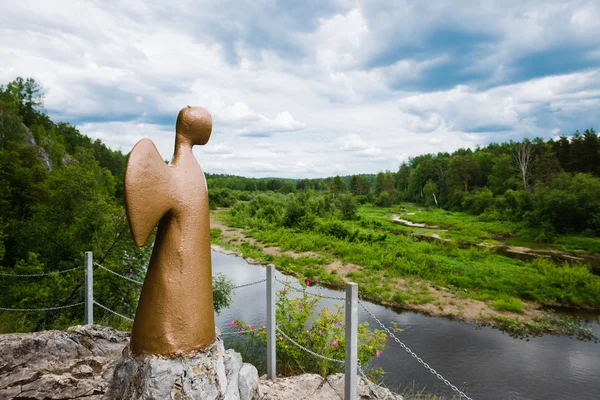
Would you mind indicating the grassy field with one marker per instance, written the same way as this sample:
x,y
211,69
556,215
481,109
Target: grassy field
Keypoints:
x,y
393,266
469,228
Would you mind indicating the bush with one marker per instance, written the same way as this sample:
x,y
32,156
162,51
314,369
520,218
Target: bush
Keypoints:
x,y
477,201
334,228
321,332
222,292
384,200
347,205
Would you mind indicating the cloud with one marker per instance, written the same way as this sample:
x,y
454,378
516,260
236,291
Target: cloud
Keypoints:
x,y
355,144
315,89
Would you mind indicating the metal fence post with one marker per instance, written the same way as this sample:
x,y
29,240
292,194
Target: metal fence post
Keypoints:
x,y
271,344
89,288
351,359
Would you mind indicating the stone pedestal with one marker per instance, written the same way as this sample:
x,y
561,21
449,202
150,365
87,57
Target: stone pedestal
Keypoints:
x,y
212,373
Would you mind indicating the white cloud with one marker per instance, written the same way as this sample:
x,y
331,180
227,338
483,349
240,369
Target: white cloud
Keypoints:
x,y
345,88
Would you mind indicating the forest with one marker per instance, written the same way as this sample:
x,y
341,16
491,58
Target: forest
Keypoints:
x,y
61,194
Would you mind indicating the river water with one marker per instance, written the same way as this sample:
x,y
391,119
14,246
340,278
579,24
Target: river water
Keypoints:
x,y
492,364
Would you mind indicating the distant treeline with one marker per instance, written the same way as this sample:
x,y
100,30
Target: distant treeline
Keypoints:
x,y
552,184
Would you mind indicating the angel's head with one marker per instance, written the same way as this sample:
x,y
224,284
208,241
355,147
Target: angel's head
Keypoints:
x,y
194,124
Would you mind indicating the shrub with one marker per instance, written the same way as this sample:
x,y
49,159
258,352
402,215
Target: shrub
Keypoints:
x,y
321,332
222,292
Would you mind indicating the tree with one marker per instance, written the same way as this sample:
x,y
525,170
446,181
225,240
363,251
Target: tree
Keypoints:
x,y
338,185
429,191
27,96
523,156
402,178
347,205
359,185
463,171
379,179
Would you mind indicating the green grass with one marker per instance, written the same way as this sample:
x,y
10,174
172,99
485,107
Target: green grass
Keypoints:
x,y
442,264
508,304
468,228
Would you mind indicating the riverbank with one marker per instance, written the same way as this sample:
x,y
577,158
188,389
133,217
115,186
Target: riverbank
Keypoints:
x,y
404,293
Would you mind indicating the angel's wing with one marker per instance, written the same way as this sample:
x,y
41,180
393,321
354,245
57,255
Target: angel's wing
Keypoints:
x,y
147,180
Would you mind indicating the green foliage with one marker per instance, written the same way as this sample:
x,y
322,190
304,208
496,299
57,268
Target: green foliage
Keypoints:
x,y
476,202
347,205
508,304
369,242
53,213
322,333
222,292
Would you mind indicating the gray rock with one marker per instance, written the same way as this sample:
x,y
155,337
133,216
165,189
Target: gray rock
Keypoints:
x,y
211,374
233,364
316,387
248,382
59,364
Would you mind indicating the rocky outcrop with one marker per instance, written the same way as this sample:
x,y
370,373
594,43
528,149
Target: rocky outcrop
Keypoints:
x,y
76,363
313,386
80,363
210,374
42,153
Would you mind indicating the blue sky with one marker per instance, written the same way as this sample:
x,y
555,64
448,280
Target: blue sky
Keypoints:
x,y
311,88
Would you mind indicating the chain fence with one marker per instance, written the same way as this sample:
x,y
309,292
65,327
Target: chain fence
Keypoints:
x,y
112,311
413,354
117,274
250,284
44,274
41,309
373,388
302,290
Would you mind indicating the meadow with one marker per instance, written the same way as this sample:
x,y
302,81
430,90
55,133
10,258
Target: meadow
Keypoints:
x,y
396,265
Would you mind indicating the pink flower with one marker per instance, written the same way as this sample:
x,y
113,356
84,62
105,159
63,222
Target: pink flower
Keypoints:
x,y
334,343
240,330
307,282
321,332
264,327
377,353
299,304
232,323
252,327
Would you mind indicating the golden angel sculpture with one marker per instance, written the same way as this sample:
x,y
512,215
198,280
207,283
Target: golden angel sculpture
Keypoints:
x,y
175,314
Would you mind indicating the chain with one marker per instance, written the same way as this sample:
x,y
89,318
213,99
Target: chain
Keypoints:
x,y
40,309
117,274
250,284
114,312
46,274
236,332
412,353
308,350
309,293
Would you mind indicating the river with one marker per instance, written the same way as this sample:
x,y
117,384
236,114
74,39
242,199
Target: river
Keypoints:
x,y
492,364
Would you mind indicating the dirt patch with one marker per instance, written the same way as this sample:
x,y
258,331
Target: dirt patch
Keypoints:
x,y
236,237
342,269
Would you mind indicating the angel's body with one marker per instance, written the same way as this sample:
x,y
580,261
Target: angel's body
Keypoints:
x,y
175,313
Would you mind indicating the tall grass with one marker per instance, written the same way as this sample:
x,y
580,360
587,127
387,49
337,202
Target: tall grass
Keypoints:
x,y
443,264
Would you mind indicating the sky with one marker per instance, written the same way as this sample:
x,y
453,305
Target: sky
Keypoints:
x,y
303,89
